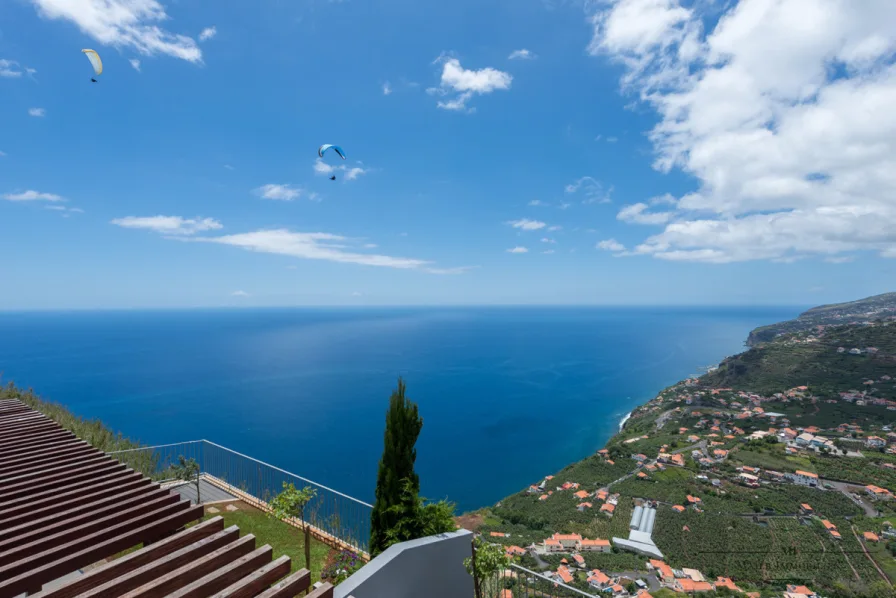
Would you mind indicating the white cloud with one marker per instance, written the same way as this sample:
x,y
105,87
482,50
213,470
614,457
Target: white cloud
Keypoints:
x,y
318,246
208,33
169,225
10,68
135,63
523,54
279,192
32,195
638,214
229,167
547,240
782,112
123,24
65,212
38,112
321,167
527,224
464,83
537,202
387,89
845,259
612,139
351,172
610,245
555,227
548,251
518,250
665,199
2,154
239,294
315,246
369,245
357,294
592,189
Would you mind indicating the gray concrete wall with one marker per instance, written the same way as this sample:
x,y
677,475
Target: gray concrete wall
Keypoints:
x,y
431,567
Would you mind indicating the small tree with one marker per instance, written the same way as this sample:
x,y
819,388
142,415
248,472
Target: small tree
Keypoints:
x,y
188,471
290,504
487,561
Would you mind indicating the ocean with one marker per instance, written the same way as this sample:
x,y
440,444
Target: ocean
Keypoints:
x,y
507,394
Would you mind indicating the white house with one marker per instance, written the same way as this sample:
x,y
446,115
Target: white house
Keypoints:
x,y
875,442
598,545
553,546
804,478
568,541
804,439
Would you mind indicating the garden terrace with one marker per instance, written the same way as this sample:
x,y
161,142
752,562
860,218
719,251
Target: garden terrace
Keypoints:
x,y
65,505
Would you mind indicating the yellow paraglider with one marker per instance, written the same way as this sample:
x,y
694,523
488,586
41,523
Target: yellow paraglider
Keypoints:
x,y
95,62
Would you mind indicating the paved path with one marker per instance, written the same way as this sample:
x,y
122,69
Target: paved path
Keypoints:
x,y
207,492
663,418
870,510
653,583
700,445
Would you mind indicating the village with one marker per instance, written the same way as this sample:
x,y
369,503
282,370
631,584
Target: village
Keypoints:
x,y
711,429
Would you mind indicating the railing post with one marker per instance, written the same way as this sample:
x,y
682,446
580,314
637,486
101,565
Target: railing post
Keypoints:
x,y
476,587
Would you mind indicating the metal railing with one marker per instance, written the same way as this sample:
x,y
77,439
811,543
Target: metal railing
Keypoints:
x,y
524,583
332,514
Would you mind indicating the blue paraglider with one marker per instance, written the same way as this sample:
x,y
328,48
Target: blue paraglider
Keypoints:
x,y
328,146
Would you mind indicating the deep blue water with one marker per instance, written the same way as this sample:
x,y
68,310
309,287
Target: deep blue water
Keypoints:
x,y
507,394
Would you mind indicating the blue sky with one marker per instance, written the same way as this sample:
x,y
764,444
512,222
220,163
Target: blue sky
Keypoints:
x,y
616,152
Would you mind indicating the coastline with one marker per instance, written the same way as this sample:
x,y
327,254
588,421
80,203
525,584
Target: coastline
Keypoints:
x,y
625,419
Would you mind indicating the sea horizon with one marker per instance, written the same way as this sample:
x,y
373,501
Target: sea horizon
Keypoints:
x,y
508,394
411,306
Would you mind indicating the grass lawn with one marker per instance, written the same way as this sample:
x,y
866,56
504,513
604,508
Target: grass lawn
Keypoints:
x,y
284,539
772,457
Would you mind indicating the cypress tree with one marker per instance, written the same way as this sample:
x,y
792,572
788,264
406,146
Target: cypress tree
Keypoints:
x,y
403,425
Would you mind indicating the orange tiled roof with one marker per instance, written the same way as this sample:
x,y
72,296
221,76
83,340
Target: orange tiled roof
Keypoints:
x,y
561,537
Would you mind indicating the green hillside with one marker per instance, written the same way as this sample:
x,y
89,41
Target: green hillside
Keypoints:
x,y
868,309
802,359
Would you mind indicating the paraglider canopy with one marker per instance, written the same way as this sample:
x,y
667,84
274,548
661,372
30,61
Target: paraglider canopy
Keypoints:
x,y
95,61
327,146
